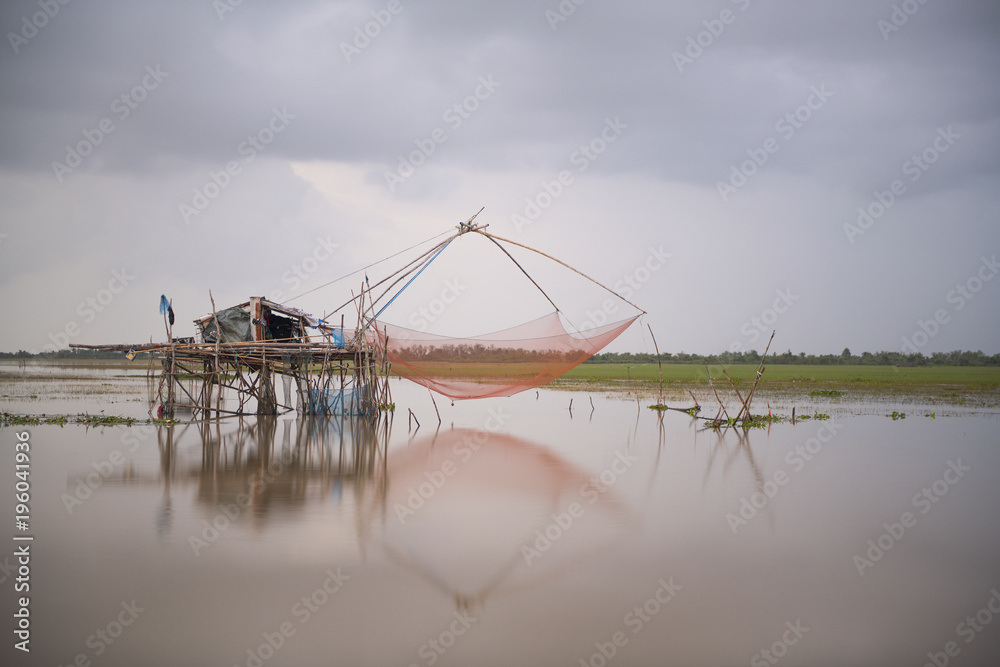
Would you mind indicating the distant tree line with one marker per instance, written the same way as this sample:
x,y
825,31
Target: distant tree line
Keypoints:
x,y
480,353
484,354
63,354
956,358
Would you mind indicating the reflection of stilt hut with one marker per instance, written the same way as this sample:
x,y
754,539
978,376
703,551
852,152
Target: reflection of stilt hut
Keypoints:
x,y
250,465
244,348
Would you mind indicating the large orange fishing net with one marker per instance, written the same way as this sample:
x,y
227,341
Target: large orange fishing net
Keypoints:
x,y
502,363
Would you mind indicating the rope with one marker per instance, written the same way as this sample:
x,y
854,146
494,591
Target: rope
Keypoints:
x,y
522,270
426,264
412,263
438,249
500,238
363,268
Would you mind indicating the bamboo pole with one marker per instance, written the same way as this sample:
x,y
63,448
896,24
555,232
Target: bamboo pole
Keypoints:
x,y
218,337
658,363
435,406
760,372
738,395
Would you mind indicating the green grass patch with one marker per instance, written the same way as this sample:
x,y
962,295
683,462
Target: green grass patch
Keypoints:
x,y
978,376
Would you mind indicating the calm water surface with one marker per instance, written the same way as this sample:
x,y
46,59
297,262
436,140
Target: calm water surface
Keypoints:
x,y
516,533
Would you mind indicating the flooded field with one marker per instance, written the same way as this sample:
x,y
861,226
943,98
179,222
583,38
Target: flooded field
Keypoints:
x,y
518,532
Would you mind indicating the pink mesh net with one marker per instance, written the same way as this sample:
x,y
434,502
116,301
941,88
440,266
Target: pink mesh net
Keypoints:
x,y
498,364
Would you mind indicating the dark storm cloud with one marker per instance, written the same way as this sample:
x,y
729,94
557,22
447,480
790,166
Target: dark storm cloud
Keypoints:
x,y
226,74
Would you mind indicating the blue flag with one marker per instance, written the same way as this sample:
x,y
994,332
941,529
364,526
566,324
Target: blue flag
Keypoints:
x,y
164,304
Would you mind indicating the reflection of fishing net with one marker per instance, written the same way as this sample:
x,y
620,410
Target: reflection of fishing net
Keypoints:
x,y
474,537
497,364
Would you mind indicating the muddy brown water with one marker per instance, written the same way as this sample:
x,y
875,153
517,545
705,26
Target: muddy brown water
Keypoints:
x,y
516,533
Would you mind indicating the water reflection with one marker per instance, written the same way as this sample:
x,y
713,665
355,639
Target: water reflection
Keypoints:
x,y
343,497
266,467
478,514
283,473
731,449
472,513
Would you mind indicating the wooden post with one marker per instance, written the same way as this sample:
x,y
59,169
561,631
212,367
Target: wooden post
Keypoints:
x,y
168,410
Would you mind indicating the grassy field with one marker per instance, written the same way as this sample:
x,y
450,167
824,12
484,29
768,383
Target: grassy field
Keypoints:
x,y
978,376
787,376
684,375
968,386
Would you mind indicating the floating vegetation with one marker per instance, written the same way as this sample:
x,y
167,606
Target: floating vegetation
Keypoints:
x,y
896,416
8,419
387,407
753,421
832,393
663,407
930,415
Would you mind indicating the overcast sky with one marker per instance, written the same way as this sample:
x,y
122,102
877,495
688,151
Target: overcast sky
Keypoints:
x,y
825,169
